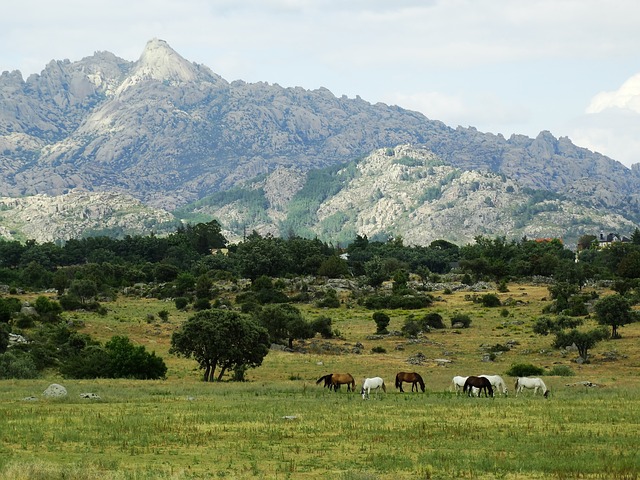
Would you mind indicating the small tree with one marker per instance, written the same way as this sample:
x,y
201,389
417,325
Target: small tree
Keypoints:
x,y
582,340
85,290
382,322
221,338
284,322
322,325
614,311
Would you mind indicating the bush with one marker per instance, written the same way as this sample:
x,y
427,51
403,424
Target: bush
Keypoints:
x,y
329,300
561,371
378,349
432,320
411,328
322,325
201,304
524,370
382,322
181,303
17,366
393,302
490,300
70,302
464,319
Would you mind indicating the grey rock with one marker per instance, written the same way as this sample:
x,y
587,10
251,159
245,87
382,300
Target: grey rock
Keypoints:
x,y
55,391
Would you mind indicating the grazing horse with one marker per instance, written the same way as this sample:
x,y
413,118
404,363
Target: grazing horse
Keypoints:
x,y
533,383
458,383
375,383
410,377
481,383
327,381
334,380
497,382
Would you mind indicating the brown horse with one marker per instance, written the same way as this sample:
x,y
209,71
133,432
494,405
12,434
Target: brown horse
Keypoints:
x,y
334,380
481,383
410,377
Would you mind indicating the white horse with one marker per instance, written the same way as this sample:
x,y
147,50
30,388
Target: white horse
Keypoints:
x,y
375,383
497,382
533,383
457,383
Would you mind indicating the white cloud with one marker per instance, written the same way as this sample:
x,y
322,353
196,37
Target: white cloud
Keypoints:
x,y
627,97
611,123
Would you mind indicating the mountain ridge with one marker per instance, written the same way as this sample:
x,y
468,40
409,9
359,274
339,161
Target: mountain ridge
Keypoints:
x,y
169,132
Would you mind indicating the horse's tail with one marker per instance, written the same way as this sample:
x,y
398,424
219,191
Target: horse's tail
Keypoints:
x,y
398,381
515,387
324,378
384,388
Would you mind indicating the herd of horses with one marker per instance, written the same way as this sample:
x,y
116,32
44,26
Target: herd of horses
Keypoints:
x,y
471,385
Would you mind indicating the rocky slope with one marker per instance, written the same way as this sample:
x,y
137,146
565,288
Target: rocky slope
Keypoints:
x,y
410,192
46,218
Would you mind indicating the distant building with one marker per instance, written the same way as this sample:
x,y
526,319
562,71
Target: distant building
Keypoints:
x,y
611,238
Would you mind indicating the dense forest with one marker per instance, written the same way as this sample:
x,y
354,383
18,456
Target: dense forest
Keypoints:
x,y
185,266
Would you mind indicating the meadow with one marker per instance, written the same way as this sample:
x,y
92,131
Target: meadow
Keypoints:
x,y
280,424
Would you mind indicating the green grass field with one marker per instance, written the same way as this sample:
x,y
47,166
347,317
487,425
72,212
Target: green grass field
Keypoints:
x,y
280,424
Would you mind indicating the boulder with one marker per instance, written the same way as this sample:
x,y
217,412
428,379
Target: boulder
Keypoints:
x,y
55,391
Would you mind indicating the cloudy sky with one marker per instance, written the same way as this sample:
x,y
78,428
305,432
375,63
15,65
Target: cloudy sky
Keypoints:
x,y
503,66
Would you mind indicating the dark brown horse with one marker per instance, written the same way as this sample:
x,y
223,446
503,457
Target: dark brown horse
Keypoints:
x,y
334,380
410,377
481,383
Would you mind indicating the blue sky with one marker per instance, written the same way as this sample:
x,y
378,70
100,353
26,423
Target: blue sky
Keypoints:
x,y
503,66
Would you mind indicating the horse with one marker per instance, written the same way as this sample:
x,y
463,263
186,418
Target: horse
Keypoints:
x,y
327,381
458,382
497,382
334,380
533,383
410,377
375,383
481,383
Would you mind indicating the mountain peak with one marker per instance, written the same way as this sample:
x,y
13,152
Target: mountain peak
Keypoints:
x,y
162,63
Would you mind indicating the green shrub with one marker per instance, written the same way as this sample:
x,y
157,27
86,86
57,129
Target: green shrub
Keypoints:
x,y
70,302
181,303
561,371
17,366
394,302
378,349
411,328
322,325
462,318
432,320
524,370
490,300
382,322
329,300
201,304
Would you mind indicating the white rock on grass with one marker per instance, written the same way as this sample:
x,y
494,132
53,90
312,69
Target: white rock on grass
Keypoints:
x,y
55,391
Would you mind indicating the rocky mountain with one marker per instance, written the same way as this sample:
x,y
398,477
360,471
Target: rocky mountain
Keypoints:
x,y
402,191
169,132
